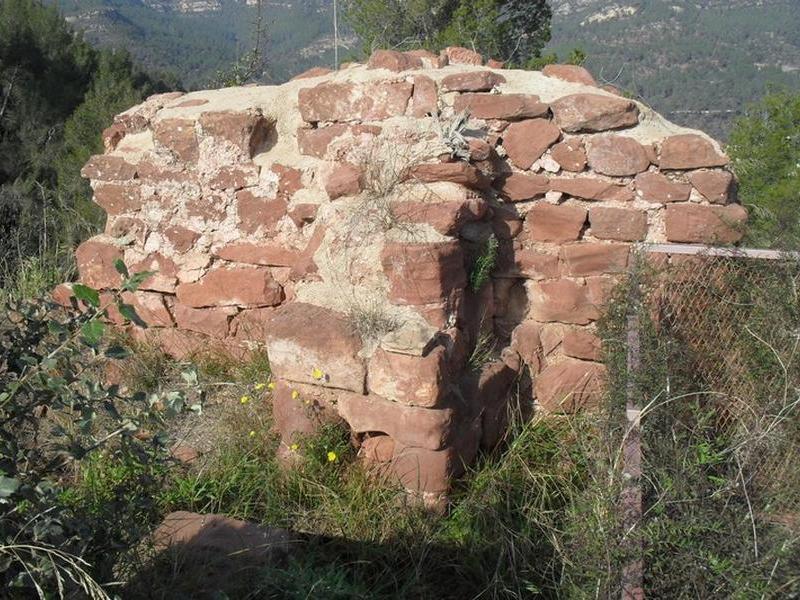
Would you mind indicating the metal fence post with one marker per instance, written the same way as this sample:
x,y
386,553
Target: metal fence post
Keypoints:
x,y
631,497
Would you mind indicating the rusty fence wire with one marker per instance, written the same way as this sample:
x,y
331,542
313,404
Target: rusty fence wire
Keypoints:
x,y
717,329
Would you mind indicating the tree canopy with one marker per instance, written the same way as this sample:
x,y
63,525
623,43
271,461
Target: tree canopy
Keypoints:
x,y
765,149
57,94
510,30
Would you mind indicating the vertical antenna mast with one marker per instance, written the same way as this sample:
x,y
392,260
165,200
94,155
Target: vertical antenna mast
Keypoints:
x,y
335,36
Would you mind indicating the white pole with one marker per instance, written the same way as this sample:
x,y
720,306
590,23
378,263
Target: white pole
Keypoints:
x,y
335,36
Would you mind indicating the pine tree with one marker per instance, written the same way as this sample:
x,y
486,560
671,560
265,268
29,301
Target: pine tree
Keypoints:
x,y
510,30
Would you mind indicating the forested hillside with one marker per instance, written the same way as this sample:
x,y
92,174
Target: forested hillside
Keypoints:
x,y
57,93
699,62
198,38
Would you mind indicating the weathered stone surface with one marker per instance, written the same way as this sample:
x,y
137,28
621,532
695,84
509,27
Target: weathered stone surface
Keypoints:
x,y
424,98
655,187
445,217
587,188
211,321
252,323
412,380
718,187
617,155
582,343
312,72
690,151
594,258
354,102
431,471
593,112
526,341
570,155
429,428
126,229
454,172
423,273
693,223
95,260
150,307
555,223
219,543
623,224
117,199
509,107
506,222
164,269
572,73
257,212
456,55
244,130
393,61
564,301
234,177
528,264
526,141
344,180
524,186
472,81
264,253
428,58
178,136
315,142
376,449
303,340
414,337
108,168
112,136
233,286
570,385
181,238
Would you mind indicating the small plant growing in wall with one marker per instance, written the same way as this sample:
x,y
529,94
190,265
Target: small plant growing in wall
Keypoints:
x,y
484,264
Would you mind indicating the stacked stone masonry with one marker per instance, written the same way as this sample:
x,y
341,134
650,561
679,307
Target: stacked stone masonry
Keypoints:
x,y
336,218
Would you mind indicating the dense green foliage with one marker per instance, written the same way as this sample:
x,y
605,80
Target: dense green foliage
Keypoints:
x,y
57,94
510,30
55,412
765,150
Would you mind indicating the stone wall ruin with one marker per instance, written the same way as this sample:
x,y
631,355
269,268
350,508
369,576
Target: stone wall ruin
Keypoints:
x,y
338,219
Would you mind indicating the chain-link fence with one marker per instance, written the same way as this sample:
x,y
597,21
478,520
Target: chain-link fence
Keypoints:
x,y
710,372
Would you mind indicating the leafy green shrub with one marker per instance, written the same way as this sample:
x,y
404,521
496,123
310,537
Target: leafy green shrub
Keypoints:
x,y
55,413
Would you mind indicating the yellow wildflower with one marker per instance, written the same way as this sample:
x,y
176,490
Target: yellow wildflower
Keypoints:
x,y
294,447
260,386
317,374
271,385
295,394
332,456
252,434
244,399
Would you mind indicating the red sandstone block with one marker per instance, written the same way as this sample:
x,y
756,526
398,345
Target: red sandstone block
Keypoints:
x,y
108,168
95,260
412,380
526,141
594,258
570,155
570,385
315,345
563,300
244,130
423,273
594,112
555,223
690,151
509,107
472,81
617,155
235,286
655,187
354,102
178,136
718,187
693,223
623,224
572,73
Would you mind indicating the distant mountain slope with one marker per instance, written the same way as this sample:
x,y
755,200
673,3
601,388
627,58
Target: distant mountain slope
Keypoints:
x,y
697,61
196,38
